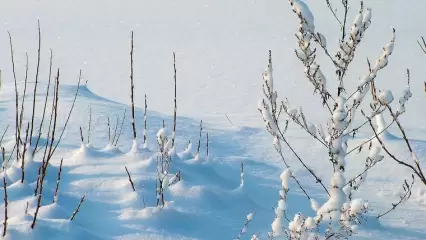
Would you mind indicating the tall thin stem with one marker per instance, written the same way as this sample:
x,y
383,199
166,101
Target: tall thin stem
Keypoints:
x,y
132,86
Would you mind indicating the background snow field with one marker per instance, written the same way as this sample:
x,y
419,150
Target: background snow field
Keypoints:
x,y
221,52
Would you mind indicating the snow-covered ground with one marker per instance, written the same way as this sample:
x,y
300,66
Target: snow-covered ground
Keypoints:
x,y
221,51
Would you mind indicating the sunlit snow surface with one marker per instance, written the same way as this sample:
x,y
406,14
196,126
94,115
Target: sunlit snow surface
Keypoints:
x,y
221,50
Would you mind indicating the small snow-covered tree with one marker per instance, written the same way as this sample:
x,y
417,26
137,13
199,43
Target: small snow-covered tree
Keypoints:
x,y
340,214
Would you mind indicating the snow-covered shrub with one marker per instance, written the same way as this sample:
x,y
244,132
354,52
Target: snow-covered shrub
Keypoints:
x,y
164,160
340,214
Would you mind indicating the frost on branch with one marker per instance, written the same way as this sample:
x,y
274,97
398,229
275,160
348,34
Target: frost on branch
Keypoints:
x,y
341,214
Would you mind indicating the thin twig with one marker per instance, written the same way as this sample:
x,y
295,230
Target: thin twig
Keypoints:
x,y
175,103
144,122
130,179
109,130
121,128
132,86
69,114
5,195
55,197
45,102
4,133
36,80
17,131
78,208
199,139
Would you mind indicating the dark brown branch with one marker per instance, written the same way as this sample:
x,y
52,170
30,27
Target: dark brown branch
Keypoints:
x,y
345,18
21,115
144,120
23,155
422,45
404,136
132,86
17,130
199,139
4,133
36,80
55,118
45,103
78,208
175,103
55,197
130,179
5,195
109,130
229,120
334,12
393,156
69,114
207,146
81,135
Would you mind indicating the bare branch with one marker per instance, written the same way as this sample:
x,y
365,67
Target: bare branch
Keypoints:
x,y
78,208
130,179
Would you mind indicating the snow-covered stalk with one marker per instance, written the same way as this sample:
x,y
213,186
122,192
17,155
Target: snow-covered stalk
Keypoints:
x,y
243,230
163,163
278,228
55,197
271,115
77,210
175,103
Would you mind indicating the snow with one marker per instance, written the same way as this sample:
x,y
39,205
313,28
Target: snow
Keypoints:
x,y
221,48
385,97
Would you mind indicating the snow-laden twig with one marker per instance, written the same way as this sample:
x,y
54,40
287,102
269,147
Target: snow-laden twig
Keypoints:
x,y
243,230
